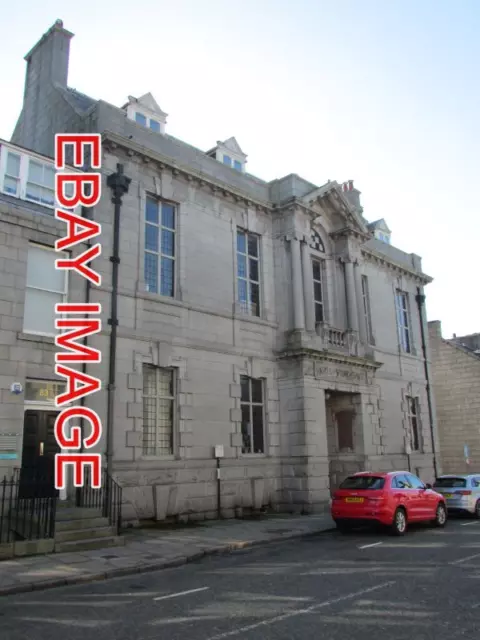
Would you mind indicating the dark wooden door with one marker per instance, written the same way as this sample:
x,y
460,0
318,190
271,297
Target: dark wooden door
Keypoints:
x,y
37,475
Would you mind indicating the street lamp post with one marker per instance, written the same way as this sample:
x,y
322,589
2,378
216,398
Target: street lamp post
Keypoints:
x,y
119,184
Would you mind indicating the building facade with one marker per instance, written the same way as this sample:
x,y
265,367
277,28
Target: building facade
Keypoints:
x,y
456,382
265,317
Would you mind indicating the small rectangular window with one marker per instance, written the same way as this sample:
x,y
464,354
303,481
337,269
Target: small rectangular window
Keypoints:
x,y
160,247
403,321
318,290
248,272
11,180
141,119
366,309
158,411
46,286
41,183
252,406
413,422
237,165
155,126
227,160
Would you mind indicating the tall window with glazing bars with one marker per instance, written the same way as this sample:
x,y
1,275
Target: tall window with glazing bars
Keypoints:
x,y
160,246
248,272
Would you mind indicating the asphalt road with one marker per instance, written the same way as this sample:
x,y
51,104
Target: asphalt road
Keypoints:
x,y
357,587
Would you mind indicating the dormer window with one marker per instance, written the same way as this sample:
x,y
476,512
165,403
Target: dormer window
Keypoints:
x,y
383,237
146,112
230,154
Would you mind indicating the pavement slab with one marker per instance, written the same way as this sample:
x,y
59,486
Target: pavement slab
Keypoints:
x,y
151,549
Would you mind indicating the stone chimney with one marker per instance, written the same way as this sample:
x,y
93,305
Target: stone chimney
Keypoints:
x,y
435,330
352,194
47,66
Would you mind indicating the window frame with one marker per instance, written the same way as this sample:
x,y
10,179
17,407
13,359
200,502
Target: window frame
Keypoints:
x,y
414,433
402,312
159,253
64,294
367,309
148,121
322,303
246,305
252,404
174,399
26,158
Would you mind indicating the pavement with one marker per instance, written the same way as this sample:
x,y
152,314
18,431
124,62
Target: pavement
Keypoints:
x,y
367,584
150,549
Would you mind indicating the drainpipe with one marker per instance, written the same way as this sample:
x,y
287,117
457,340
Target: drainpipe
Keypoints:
x,y
119,184
420,299
86,213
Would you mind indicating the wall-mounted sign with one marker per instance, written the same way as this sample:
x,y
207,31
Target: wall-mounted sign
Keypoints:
x,y
16,388
8,456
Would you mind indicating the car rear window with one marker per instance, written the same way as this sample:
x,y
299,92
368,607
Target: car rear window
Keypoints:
x,y
363,482
449,483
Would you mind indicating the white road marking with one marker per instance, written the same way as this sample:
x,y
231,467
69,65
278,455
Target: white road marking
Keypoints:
x,y
298,612
477,555
181,593
374,544
468,524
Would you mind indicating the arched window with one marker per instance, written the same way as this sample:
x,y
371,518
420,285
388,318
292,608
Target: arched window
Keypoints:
x,y
316,241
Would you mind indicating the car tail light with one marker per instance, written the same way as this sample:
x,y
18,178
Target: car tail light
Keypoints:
x,y
464,493
376,498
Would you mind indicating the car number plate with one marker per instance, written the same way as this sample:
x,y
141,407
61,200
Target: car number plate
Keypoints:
x,y
354,499
448,495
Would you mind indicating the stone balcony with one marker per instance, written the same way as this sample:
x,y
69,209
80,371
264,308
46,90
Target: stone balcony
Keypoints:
x,y
328,338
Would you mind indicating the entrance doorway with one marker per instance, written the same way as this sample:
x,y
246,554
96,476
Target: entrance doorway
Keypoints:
x,y
37,474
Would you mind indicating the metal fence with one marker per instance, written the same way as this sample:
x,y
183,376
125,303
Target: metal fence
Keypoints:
x,y
25,512
108,498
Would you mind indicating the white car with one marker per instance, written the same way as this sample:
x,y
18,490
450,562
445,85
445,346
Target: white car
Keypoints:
x,y
461,492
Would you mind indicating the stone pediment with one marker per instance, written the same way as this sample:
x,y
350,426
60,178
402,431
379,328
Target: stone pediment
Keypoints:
x,y
232,145
329,201
148,102
381,225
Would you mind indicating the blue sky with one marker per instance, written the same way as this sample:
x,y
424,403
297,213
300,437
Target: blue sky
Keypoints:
x,y
384,93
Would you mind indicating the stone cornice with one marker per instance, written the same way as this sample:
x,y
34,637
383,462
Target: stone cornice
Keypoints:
x,y
112,142
293,205
376,258
335,358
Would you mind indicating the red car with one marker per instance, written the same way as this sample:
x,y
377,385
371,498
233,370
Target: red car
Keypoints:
x,y
392,499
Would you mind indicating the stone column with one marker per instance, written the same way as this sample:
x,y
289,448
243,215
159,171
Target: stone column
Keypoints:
x,y
364,337
352,309
297,284
308,287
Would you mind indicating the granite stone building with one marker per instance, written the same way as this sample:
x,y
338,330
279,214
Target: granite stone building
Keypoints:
x,y
266,317
456,383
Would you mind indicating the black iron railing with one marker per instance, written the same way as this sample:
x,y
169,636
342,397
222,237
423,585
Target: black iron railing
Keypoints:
x,y
108,498
27,512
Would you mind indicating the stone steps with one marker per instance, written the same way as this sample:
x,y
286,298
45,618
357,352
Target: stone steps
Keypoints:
x,y
82,529
88,545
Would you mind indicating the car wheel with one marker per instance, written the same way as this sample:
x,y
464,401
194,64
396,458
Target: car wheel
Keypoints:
x,y
441,515
399,524
477,510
